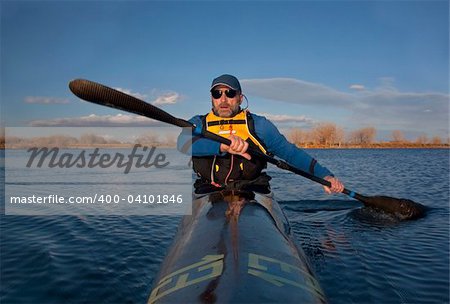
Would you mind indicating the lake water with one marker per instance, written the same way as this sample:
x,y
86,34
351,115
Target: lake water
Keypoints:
x,y
359,256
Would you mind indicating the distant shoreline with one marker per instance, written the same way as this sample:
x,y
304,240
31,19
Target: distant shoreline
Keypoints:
x,y
378,146
306,147
100,146
90,140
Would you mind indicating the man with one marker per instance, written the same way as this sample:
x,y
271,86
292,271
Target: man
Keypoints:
x,y
221,166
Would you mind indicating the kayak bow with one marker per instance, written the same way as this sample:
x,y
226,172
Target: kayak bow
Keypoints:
x,y
236,247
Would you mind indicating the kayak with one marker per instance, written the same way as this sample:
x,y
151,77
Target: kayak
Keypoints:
x,y
236,247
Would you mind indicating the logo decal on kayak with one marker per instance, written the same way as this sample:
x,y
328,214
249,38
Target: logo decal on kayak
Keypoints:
x,y
268,269
209,267
271,270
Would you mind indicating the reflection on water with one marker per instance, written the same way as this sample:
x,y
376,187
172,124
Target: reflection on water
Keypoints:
x,y
359,256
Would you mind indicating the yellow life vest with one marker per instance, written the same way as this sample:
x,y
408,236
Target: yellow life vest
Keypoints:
x,y
237,125
220,170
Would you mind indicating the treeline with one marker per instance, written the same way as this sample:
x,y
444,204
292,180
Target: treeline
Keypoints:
x,y
84,140
324,135
329,135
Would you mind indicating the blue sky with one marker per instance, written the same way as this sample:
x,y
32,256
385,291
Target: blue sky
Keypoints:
x,y
370,63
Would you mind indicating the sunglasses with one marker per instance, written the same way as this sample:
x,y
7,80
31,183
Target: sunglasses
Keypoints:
x,y
230,93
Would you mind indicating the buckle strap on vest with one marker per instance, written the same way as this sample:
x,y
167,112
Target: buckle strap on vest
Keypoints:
x,y
226,122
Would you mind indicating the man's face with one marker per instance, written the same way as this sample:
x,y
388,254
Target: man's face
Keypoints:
x,y
225,106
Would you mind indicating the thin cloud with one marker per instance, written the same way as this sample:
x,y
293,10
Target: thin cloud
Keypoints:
x,y
45,100
404,110
119,120
134,94
296,91
162,99
281,118
357,87
168,98
384,107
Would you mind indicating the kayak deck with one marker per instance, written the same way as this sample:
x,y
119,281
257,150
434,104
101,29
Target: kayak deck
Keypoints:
x,y
236,247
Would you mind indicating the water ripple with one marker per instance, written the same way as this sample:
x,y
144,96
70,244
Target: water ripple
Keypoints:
x,y
359,255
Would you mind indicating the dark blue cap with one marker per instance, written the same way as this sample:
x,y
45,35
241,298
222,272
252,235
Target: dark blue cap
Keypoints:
x,y
227,80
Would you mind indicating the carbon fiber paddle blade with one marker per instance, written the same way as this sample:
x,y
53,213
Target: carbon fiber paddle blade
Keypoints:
x,y
403,209
103,95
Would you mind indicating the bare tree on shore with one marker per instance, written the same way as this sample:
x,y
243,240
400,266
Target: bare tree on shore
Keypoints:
x,y
147,139
422,139
327,134
298,136
92,139
397,136
436,140
364,136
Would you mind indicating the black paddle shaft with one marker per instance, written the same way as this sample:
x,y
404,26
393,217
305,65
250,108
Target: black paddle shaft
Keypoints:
x,y
106,96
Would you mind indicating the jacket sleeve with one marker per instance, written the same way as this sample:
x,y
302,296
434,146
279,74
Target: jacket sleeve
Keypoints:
x,y
277,144
190,143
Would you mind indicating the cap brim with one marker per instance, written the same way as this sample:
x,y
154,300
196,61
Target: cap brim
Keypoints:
x,y
225,84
